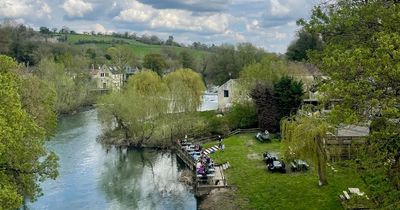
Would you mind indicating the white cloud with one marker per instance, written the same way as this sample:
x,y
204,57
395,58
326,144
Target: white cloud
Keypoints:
x,y
9,8
98,28
236,36
278,9
24,8
138,12
253,26
280,36
175,19
77,8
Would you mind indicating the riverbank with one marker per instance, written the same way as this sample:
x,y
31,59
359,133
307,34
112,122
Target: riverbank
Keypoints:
x,y
256,188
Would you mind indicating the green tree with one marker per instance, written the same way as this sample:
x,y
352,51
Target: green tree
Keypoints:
x,y
361,58
186,88
23,158
268,71
187,59
39,101
248,54
222,65
121,57
137,109
297,50
303,137
151,108
266,107
70,87
242,115
155,62
288,95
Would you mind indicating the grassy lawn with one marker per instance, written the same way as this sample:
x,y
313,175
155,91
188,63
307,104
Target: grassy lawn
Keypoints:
x,y
258,188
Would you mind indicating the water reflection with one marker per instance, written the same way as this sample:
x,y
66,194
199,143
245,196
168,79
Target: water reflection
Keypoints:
x,y
94,177
144,180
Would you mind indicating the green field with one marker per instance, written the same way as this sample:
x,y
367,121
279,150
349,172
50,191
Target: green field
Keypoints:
x,y
140,49
258,188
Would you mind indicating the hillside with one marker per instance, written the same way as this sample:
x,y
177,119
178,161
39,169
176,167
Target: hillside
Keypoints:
x,y
140,49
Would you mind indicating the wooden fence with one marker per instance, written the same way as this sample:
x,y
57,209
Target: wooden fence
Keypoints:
x,y
343,147
206,139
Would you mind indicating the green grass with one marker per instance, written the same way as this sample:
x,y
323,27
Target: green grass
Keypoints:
x,y
140,49
258,188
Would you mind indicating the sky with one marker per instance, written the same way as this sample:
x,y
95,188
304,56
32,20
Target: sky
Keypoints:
x,y
268,24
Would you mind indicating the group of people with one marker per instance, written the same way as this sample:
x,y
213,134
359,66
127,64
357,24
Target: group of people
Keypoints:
x,y
204,165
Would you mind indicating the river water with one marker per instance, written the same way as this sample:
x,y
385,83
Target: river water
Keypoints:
x,y
94,177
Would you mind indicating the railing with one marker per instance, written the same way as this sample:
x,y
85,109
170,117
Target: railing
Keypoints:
x,y
206,139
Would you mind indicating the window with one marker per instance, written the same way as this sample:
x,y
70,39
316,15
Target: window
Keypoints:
x,y
104,85
101,74
107,74
226,93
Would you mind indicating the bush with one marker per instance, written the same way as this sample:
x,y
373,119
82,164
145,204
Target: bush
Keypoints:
x,y
242,116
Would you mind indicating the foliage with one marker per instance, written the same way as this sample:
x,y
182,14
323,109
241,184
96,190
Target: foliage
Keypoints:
x,y
242,115
297,50
266,108
23,157
268,72
361,58
17,42
257,188
39,100
303,137
186,88
71,88
228,61
155,62
187,59
288,95
122,57
150,108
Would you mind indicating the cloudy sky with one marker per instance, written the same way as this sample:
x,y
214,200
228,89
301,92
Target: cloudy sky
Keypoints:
x,y
269,24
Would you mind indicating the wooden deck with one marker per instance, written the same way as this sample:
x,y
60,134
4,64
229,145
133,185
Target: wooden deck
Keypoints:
x,y
203,185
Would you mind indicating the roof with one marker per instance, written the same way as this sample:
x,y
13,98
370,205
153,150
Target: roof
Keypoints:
x,y
353,130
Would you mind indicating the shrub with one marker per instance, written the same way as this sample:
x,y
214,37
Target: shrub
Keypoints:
x,y
242,115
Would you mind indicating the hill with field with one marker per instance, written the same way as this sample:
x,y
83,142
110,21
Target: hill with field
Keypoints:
x,y
140,49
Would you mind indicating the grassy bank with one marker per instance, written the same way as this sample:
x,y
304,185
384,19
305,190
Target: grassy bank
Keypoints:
x,y
259,189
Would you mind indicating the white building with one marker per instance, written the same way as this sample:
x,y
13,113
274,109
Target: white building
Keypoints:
x,y
226,94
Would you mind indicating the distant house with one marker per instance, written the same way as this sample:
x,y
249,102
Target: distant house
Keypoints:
x,y
107,78
129,71
226,95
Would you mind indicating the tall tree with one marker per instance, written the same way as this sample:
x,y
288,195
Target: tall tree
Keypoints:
x,y
267,71
186,89
23,158
266,107
297,50
187,59
288,95
122,57
155,62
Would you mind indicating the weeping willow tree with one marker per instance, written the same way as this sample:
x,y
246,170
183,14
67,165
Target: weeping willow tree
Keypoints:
x,y
150,108
303,136
186,88
136,109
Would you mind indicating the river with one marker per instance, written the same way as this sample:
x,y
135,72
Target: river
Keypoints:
x,y
94,177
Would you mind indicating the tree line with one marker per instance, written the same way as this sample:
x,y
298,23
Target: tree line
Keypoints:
x,y
359,54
